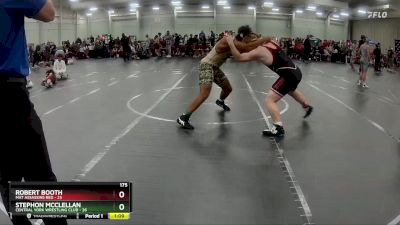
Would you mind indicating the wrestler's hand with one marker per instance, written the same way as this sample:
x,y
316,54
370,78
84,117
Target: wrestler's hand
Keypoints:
x,y
230,39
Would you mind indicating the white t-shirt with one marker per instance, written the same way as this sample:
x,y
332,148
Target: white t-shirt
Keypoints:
x,y
59,66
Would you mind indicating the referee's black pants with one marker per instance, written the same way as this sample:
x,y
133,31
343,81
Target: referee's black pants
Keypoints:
x,y
23,151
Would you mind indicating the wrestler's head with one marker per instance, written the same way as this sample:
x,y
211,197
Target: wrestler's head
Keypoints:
x,y
245,34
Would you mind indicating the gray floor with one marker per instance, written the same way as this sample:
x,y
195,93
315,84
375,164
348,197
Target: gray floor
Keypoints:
x,y
345,157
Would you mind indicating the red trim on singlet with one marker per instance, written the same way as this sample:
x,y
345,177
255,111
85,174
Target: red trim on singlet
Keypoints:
x,y
276,92
274,51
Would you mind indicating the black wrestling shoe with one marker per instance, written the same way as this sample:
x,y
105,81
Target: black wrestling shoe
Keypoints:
x,y
276,131
309,110
184,122
222,105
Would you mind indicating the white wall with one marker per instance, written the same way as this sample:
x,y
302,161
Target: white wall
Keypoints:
x,y
204,20
32,31
68,25
50,32
383,30
128,24
153,22
82,27
231,19
304,26
337,30
273,25
192,21
98,24
39,32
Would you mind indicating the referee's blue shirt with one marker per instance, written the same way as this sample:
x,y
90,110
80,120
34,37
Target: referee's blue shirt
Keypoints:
x,y
13,48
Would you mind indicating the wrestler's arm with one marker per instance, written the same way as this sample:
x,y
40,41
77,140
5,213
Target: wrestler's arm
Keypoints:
x,y
255,54
247,47
223,46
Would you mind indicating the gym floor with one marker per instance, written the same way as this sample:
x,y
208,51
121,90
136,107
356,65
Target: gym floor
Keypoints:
x,y
115,121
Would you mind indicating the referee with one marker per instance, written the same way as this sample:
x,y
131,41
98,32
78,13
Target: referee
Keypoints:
x,y
23,151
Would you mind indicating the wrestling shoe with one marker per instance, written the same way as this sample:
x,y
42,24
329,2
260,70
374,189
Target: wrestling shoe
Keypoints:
x,y
359,83
222,105
365,85
29,84
276,131
184,122
309,109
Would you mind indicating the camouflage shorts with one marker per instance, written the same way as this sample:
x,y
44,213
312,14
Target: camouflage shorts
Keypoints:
x,y
210,74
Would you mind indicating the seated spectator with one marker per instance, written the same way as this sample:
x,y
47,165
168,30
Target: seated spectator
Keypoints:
x,y
50,79
59,68
390,60
326,55
83,52
114,52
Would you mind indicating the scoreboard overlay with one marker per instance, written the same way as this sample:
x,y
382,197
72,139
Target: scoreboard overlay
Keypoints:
x,y
71,200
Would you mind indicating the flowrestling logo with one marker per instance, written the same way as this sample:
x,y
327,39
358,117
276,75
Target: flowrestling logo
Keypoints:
x,y
377,15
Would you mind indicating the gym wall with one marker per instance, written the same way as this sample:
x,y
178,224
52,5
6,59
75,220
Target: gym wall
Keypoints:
x,y
188,21
383,30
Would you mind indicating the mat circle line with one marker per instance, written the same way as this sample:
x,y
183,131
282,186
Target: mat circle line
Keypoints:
x,y
129,105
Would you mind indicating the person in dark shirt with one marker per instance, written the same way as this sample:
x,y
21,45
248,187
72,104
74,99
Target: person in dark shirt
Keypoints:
x,y
190,40
36,56
390,60
24,154
177,43
378,56
125,47
307,49
212,38
196,40
202,37
189,46
111,44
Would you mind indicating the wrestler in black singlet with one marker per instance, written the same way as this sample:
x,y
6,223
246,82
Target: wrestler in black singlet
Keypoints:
x,y
289,74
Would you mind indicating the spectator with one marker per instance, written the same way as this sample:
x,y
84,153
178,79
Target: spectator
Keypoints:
x,y
59,67
189,46
125,47
185,39
36,56
202,37
50,79
390,59
326,55
220,36
212,39
353,56
289,46
111,44
307,49
177,42
168,42
78,41
157,45
377,54
195,46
